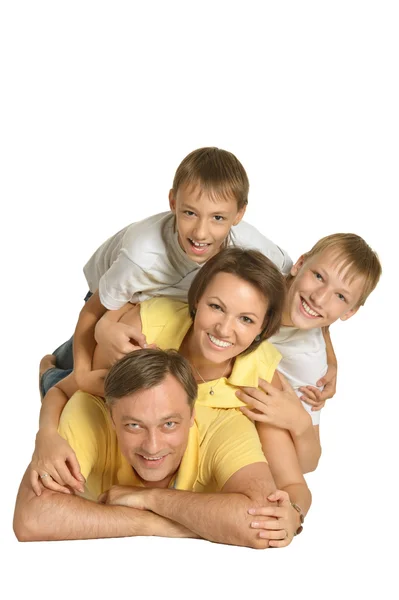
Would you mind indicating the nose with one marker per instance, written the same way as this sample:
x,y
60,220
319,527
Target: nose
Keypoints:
x,y
152,443
201,230
224,327
320,296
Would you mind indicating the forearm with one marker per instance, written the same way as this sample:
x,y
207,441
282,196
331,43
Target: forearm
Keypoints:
x,y
52,406
84,343
55,516
307,445
221,517
331,357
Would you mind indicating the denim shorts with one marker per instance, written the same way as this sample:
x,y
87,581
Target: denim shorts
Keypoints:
x,y
63,363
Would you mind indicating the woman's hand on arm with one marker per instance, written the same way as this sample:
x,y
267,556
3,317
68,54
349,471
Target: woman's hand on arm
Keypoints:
x,y
281,516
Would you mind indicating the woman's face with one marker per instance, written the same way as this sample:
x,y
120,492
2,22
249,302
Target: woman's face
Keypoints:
x,y
230,314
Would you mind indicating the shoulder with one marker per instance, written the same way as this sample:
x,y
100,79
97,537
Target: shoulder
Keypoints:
x,y
162,310
146,236
83,412
248,236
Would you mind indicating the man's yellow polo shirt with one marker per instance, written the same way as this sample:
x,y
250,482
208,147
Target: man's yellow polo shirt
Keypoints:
x,y
220,443
165,323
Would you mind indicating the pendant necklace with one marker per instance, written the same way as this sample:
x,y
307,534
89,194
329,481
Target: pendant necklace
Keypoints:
x,y
211,392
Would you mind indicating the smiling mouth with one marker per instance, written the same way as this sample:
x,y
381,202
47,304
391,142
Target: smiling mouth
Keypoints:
x,y
309,311
198,247
152,461
219,343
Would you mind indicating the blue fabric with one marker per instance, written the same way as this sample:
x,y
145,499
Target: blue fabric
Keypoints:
x,y
63,363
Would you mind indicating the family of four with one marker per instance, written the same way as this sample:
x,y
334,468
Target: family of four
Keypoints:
x,y
188,402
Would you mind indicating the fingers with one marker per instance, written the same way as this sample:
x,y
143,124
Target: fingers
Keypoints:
x,y
254,416
278,512
35,482
74,467
137,336
48,482
281,497
279,535
63,476
252,396
311,395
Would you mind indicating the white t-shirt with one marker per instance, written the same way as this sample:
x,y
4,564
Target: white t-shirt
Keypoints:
x,y
304,359
145,260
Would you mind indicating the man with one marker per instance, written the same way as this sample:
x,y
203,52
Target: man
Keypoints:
x,y
146,453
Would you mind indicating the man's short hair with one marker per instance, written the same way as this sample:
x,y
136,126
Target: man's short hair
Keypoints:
x,y
145,369
217,172
353,253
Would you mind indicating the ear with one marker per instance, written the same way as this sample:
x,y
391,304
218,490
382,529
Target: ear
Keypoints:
x,y
297,266
172,201
192,417
350,314
240,215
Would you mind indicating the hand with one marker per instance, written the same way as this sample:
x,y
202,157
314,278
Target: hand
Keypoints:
x,y
283,521
316,398
92,382
118,339
280,408
54,465
123,495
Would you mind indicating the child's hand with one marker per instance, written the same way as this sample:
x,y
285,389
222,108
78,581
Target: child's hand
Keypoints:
x,y
54,465
118,339
317,398
277,523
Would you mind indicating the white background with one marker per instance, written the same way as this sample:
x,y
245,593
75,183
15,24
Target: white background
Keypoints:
x,y
100,102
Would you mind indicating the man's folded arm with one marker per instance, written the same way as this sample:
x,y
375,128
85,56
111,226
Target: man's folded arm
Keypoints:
x,y
56,516
220,517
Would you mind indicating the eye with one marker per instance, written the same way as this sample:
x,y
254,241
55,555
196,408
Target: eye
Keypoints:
x,y
318,276
215,306
133,426
219,218
189,213
247,319
341,297
170,424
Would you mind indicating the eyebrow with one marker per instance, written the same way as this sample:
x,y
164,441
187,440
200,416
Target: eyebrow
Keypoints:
x,y
224,306
163,420
342,289
194,209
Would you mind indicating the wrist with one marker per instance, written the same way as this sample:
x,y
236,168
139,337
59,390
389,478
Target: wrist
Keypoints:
x,y
299,518
302,425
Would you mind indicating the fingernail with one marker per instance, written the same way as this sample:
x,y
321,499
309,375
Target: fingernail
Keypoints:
x,y
255,524
263,534
251,511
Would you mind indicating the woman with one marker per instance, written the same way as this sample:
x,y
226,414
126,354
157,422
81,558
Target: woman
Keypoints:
x,y
235,303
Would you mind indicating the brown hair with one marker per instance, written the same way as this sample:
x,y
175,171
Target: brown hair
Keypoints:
x,y
218,172
144,369
250,266
355,255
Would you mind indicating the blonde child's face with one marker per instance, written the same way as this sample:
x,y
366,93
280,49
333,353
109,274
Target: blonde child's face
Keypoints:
x,y
321,292
203,223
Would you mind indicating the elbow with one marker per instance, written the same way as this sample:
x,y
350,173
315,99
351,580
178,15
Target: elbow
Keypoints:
x,y
24,527
313,463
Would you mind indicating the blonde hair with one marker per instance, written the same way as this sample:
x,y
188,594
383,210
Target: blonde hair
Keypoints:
x,y
355,256
218,172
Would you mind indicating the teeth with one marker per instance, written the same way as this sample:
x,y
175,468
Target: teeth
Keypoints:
x,y
218,342
148,458
198,244
310,312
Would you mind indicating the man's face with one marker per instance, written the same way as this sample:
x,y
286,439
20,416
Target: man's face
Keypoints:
x,y
152,427
203,222
321,292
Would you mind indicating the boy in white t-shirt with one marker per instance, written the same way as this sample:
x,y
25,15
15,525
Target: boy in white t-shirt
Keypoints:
x,y
160,256
330,282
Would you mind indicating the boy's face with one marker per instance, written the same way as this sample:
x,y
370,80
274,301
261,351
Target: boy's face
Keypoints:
x,y
321,292
203,223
